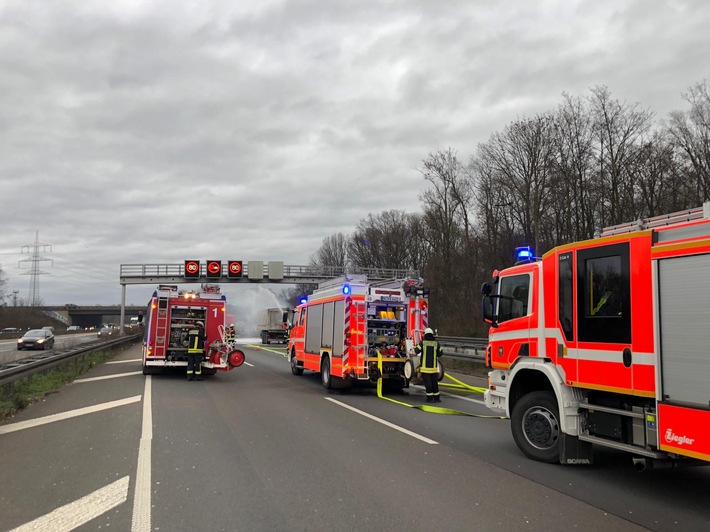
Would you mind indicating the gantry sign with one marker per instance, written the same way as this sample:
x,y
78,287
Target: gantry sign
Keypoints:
x,y
237,271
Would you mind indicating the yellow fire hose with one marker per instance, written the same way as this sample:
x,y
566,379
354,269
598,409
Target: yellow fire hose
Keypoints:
x,y
457,384
435,409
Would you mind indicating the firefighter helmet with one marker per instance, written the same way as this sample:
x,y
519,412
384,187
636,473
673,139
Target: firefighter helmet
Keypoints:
x,y
428,331
199,324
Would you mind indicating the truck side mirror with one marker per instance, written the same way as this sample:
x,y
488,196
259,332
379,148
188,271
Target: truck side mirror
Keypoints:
x,y
486,289
487,311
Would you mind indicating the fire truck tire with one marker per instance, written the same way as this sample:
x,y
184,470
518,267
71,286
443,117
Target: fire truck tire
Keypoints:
x,y
440,368
409,370
296,369
536,427
209,371
325,376
149,370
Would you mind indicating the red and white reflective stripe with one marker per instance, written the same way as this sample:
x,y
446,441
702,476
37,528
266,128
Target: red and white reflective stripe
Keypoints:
x,y
346,331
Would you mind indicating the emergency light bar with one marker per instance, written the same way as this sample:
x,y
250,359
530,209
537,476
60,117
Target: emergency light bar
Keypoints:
x,y
524,253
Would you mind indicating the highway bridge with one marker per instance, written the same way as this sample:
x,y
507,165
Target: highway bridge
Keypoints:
x,y
91,315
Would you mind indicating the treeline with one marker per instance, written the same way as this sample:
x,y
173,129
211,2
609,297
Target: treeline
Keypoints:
x,y
542,181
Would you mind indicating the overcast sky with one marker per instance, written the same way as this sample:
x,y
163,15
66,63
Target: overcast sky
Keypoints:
x,y
137,132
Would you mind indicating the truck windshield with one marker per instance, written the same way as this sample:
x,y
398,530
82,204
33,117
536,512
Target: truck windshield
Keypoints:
x,y
513,300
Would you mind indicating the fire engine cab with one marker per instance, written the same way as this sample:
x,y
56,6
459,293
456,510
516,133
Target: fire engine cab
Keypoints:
x,y
350,324
607,342
171,314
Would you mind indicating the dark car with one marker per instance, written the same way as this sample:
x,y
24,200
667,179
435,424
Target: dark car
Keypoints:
x,y
36,339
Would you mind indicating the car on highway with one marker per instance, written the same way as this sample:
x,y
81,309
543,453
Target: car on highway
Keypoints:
x,y
73,328
36,339
107,330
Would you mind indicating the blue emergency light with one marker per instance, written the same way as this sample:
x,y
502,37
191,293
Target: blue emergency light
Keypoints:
x,y
346,289
524,253
304,300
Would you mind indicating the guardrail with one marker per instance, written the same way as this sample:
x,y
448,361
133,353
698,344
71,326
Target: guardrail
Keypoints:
x,y
455,347
11,371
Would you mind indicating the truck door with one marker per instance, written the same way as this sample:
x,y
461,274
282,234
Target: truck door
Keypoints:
x,y
605,355
514,313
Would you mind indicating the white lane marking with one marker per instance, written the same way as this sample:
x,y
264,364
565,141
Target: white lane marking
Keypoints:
x,y
141,521
13,427
124,361
387,423
81,511
247,363
106,377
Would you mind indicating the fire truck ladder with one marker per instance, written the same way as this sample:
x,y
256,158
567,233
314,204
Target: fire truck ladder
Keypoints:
x,y
359,349
162,327
664,220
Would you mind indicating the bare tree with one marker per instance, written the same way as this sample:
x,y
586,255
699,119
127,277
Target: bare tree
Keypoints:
x,y
448,207
573,179
333,251
382,241
691,133
661,185
620,129
3,285
520,158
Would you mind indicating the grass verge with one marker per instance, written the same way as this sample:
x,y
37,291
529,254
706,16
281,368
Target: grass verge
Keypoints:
x,y
21,393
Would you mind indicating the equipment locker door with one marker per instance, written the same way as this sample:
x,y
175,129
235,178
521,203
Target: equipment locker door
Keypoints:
x,y
684,329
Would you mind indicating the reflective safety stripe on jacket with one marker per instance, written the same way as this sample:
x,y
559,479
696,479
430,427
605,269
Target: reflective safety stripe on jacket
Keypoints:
x,y
196,341
429,351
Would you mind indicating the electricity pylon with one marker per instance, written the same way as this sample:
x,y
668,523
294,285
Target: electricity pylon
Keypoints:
x,y
35,258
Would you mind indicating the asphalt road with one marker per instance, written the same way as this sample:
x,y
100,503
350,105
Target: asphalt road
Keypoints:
x,y
260,449
9,351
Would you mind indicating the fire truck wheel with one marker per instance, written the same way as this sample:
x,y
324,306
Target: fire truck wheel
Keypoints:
x,y
325,375
440,368
536,427
209,371
148,370
295,368
409,370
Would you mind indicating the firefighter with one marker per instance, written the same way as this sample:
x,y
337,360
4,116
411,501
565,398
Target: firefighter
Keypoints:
x,y
195,351
231,334
430,351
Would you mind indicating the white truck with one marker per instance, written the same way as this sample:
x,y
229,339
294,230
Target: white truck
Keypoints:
x,y
274,325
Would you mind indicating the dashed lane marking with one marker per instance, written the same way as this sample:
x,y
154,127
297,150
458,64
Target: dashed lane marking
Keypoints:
x,y
21,425
386,423
106,377
81,511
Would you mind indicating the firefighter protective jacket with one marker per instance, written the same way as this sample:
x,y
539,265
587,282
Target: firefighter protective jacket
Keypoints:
x,y
195,340
430,350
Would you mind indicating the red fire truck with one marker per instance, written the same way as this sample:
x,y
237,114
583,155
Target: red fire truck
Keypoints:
x,y
339,331
171,314
607,342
